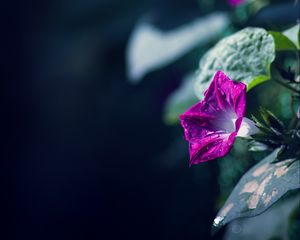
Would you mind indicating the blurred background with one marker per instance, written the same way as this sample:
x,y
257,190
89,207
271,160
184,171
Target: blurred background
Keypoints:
x,y
94,157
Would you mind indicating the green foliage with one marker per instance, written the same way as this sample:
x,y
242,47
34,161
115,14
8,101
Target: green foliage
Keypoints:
x,y
279,172
231,170
247,9
287,40
274,134
244,56
259,188
294,223
265,225
180,100
294,35
282,42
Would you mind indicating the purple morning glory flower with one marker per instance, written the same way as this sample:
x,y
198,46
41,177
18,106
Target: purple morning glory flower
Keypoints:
x,y
211,125
235,3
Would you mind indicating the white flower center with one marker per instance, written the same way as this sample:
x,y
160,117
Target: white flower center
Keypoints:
x,y
225,124
247,128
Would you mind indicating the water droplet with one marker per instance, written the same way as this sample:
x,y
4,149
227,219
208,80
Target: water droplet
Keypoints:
x,y
218,220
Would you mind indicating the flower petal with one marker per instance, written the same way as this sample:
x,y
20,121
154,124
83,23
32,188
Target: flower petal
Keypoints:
x,y
211,147
228,94
211,125
196,126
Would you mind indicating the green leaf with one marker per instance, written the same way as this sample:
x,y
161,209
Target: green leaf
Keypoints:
x,y
244,56
258,80
259,188
261,125
265,226
272,122
180,100
282,42
275,122
293,34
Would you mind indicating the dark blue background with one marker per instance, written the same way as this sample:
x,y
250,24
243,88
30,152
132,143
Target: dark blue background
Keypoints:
x,y
89,153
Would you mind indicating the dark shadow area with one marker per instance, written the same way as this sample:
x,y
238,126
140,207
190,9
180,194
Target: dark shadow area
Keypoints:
x,y
89,162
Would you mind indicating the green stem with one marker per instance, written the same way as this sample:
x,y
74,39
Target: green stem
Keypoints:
x,y
293,123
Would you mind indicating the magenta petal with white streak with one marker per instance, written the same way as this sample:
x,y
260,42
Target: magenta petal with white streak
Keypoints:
x,y
211,125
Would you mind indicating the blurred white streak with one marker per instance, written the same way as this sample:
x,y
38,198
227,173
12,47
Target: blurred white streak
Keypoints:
x,y
150,49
